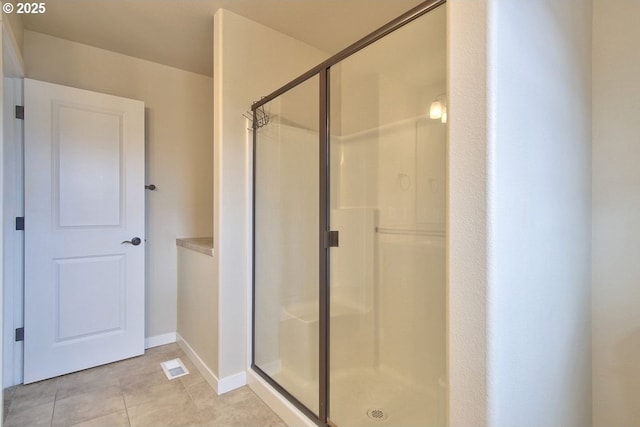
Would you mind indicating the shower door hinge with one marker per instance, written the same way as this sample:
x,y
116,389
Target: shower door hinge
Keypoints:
x,y
19,223
19,334
331,240
20,112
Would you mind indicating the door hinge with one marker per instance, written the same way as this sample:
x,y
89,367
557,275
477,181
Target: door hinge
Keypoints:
x,y
19,334
331,239
20,112
19,223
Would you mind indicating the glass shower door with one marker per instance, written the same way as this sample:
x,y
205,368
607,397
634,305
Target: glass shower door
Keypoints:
x,y
387,201
286,251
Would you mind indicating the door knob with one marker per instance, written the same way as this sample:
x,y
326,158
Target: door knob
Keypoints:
x,y
135,241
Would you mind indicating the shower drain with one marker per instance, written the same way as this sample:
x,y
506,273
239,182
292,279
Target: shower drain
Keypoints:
x,y
377,414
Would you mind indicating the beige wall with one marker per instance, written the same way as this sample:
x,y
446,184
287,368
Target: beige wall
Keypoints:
x,y
197,305
17,28
178,110
616,203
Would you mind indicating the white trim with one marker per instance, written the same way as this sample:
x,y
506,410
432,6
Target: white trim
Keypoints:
x,y
291,415
2,207
13,245
249,245
221,385
232,382
12,205
158,340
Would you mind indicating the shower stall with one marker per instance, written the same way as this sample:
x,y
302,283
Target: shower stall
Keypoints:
x,y
349,199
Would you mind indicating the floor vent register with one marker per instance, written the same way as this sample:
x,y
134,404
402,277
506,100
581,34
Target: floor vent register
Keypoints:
x,y
174,368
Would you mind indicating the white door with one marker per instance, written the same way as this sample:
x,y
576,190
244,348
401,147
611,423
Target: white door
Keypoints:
x,y
84,229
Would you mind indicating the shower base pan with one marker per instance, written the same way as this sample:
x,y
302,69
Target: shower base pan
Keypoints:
x,y
368,398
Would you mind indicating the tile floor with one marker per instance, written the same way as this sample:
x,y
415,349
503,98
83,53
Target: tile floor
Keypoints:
x,y
134,392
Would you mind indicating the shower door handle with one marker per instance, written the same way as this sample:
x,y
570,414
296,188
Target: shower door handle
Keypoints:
x,y
331,239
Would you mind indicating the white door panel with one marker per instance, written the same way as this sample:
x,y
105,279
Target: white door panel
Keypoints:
x,y
95,200
84,197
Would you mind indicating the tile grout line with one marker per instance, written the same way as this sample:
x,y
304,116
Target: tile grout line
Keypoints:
x,y
55,401
126,407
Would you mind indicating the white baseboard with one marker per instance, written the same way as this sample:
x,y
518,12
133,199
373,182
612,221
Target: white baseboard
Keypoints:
x,y
207,373
221,385
291,415
158,340
232,382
